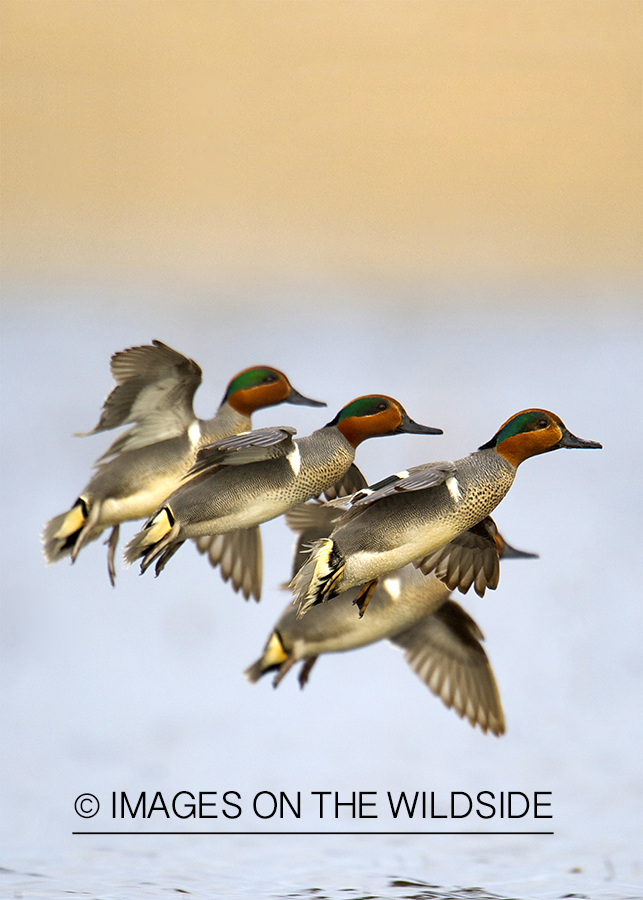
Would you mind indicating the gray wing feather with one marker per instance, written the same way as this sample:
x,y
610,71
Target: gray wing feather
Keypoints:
x,y
315,514
351,482
155,386
417,478
470,559
238,554
249,447
445,652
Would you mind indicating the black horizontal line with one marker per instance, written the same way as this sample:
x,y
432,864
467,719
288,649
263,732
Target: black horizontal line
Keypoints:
x,y
319,833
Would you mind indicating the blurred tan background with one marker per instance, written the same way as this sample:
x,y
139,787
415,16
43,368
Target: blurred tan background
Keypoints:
x,y
262,141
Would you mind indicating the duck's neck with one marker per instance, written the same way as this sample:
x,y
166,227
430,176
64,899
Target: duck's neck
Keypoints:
x,y
225,423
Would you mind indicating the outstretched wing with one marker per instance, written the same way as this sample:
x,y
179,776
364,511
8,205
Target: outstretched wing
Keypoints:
x,y
155,386
238,553
445,652
351,482
314,514
249,447
469,559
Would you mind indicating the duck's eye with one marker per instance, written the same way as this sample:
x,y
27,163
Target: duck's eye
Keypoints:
x,y
543,423
270,378
382,405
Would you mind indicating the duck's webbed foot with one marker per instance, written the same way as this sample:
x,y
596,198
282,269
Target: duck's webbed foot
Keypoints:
x,y
305,670
285,667
364,596
112,543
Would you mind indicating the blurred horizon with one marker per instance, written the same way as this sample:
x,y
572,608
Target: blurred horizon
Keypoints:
x,y
416,148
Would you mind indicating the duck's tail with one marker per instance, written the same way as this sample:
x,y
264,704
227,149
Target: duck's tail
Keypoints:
x,y
312,521
64,535
158,539
274,655
319,577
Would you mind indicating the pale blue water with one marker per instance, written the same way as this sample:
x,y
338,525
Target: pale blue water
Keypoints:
x,y
140,688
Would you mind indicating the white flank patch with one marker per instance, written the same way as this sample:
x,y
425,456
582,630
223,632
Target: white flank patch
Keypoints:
x,y
403,474
294,458
194,432
454,487
393,587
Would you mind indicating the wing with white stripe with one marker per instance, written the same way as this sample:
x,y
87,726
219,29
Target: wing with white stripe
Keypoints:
x,y
249,447
418,478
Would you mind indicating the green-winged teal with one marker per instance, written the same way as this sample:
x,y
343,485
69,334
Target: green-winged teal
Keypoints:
x,y
441,642
431,515
245,480
154,389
